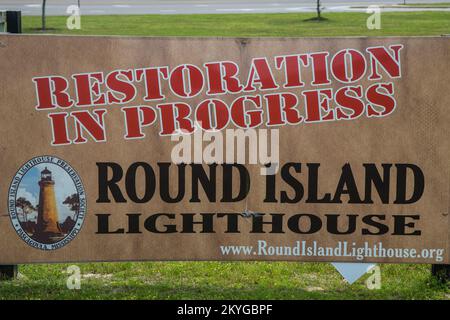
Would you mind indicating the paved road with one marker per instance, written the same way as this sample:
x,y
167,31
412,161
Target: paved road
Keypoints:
x,y
93,7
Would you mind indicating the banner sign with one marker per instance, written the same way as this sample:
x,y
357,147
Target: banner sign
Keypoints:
x,y
314,149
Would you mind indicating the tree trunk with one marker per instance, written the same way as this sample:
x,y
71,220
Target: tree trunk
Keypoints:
x,y
318,9
24,215
44,2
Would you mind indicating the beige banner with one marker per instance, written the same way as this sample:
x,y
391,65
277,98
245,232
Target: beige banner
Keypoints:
x,y
90,127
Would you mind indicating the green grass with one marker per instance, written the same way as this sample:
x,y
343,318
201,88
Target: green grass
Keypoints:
x,y
224,280
252,25
219,280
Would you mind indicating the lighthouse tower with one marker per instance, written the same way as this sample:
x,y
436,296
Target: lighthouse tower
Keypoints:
x,y
47,226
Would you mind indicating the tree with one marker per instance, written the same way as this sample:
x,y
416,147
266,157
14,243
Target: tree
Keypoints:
x,y
44,3
319,10
25,206
73,202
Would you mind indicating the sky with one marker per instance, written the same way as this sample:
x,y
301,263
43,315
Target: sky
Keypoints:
x,y
64,187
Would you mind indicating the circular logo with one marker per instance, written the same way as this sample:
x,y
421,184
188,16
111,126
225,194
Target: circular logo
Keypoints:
x,y
47,203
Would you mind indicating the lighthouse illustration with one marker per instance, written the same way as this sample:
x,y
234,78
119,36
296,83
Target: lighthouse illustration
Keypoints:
x,y
47,227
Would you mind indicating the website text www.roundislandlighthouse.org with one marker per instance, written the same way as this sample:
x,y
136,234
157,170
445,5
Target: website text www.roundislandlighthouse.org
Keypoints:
x,y
341,249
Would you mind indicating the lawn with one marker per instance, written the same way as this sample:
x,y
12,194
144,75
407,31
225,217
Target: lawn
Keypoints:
x,y
227,280
252,25
219,280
